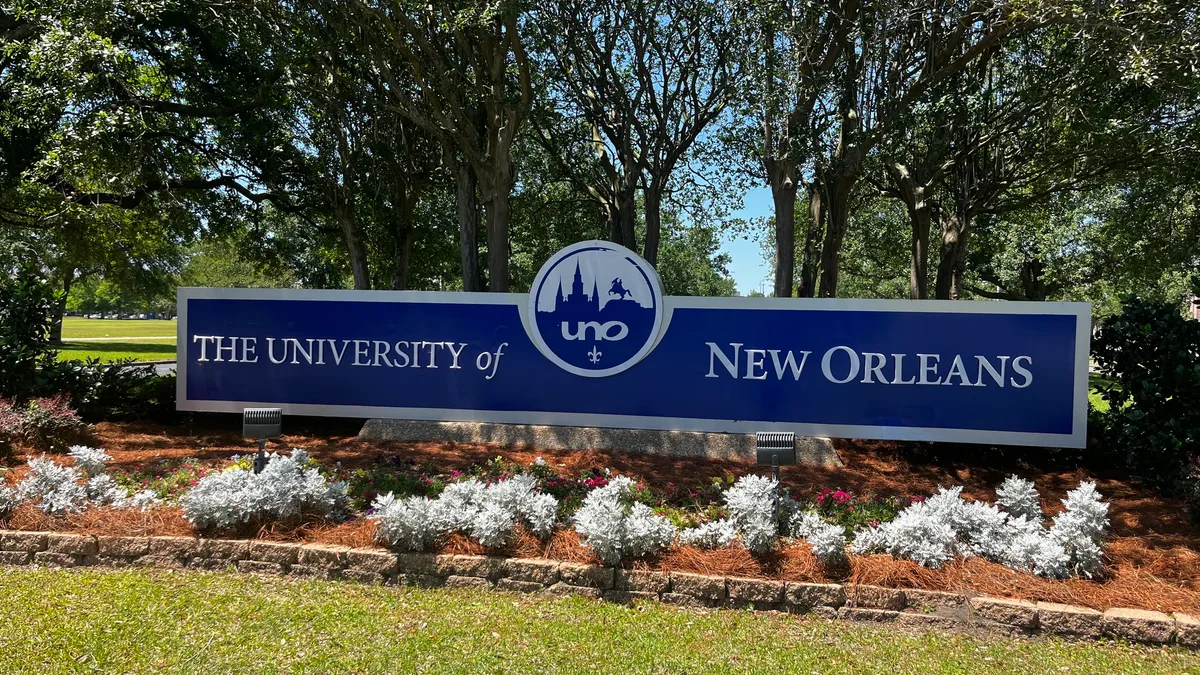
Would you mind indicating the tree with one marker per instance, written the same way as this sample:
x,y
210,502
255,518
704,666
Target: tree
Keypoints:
x,y
472,73
647,78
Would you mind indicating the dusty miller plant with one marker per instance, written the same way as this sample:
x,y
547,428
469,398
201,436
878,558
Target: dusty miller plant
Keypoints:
x,y
89,460
1019,497
402,523
57,489
615,527
713,534
8,500
935,531
828,541
286,488
486,512
756,508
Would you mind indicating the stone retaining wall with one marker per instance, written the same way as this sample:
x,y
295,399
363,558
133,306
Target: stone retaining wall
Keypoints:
x,y
908,608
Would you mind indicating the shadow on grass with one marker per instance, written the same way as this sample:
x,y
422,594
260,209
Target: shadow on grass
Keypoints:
x,y
111,351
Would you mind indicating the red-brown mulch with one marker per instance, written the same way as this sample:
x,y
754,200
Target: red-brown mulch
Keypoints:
x,y
1153,553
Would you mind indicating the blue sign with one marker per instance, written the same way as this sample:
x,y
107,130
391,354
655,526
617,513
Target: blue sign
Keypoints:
x,y
597,344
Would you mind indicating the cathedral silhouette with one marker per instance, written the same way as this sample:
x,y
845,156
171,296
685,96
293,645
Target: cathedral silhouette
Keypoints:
x,y
578,304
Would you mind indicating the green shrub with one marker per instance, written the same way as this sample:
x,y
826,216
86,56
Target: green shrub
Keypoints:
x,y
27,309
111,391
1150,358
51,425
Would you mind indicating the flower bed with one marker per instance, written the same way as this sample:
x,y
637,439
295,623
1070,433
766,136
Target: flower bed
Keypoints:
x,y
674,493
909,608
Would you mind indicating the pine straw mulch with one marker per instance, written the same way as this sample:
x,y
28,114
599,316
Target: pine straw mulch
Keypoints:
x,y
1152,556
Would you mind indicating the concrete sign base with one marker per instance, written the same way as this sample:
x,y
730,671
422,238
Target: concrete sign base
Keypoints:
x,y
809,450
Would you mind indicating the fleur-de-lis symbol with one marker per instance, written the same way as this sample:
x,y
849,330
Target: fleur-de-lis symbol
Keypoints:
x,y
594,355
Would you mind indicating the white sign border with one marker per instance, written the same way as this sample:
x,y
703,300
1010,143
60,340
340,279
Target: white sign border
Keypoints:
x,y
1076,439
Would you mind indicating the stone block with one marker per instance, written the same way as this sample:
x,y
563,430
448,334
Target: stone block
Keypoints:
x,y
830,613
177,547
260,567
162,562
1187,630
922,620
875,597
323,555
1138,625
30,542
627,597
641,582
486,567
212,564
51,559
280,553
371,560
15,557
454,581
814,595
72,544
424,580
706,588
1006,611
417,563
590,576
924,601
518,586
312,572
757,591
1068,620
562,589
362,576
112,560
227,549
867,614
682,600
534,570
126,547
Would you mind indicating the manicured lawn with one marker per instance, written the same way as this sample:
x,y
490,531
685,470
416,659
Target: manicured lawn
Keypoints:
x,y
112,339
144,621
76,327
150,350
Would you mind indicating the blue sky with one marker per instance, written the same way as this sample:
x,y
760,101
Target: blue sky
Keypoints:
x,y
748,267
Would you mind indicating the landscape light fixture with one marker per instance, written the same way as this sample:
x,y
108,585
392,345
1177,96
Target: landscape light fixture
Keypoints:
x,y
775,448
261,424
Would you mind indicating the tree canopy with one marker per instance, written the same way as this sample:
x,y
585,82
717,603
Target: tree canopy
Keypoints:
x,y
913,148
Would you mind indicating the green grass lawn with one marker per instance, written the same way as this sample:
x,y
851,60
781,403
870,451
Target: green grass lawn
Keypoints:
x,y
139,621
161,350
76,327
112,339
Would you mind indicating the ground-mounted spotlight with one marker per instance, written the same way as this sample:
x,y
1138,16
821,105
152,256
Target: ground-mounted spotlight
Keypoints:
x,y
775,448
261,424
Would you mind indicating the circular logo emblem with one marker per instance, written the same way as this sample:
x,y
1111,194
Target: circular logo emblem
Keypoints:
x,y
595,309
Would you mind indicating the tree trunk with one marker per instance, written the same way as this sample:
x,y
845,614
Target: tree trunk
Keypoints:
x,y
810,264
468,225
402,235
951,257
355,246
60,307
918,273
835,232
783,193
653,208
628,213
497,235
